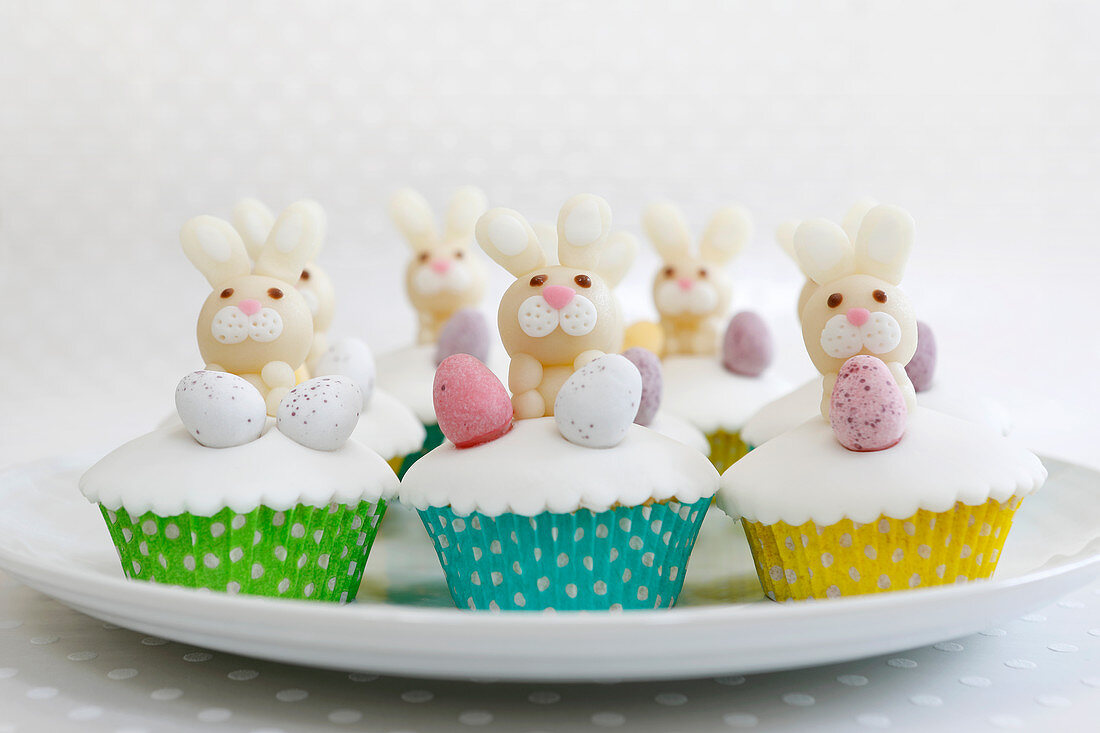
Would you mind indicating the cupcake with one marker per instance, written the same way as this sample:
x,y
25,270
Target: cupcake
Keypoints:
x,y
713,380
231,500
874,493
555,498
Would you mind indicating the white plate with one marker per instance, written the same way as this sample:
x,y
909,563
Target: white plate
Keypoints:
x,y
403,623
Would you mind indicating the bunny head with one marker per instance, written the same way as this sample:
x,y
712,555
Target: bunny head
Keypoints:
x,y
255,316
555,312
692,290
253,221
444,274
857,306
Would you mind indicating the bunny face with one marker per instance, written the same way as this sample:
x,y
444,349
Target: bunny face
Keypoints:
x,y
857,307
689,287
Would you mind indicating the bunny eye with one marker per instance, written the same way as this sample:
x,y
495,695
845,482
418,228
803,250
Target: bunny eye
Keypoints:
x,y
305,274
834,300
274,293
702,272
538,281
668,272
227,293
423,257
583,280
459,254
879,296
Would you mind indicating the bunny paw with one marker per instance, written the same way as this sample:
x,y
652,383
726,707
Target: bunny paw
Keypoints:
x,y
220,410
597,405
321,413
471,404
867,409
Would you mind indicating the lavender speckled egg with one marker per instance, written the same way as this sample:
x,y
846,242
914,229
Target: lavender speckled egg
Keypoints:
x,y
220,410
352,358
649,366
597,405
466,332
867,409
320,413
922,366
747,346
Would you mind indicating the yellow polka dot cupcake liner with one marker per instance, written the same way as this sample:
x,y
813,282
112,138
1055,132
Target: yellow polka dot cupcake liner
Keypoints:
x,y
848,558
305,552
726,448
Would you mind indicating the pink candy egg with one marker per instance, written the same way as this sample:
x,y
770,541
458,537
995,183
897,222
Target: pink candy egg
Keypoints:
x,y
649,366
867,409
747,347
923,364
471,404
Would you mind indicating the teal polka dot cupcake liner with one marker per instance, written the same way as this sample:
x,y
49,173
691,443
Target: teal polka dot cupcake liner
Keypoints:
x,y
305,552
623,558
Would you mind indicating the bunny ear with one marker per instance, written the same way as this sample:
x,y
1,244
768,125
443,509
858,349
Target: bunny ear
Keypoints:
x,y
855,214
784,235
823,250
884,241
584,222
253,221
617,257
727,234
413,217
214,248
547,235
294,241
510,241
467,204
664,224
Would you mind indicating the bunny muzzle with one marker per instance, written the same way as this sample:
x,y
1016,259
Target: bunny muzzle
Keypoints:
x,y
686,296
850,333
441,274
555,307
234,324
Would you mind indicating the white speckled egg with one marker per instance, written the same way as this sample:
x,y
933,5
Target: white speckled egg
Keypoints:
x,y
320,413
350,357
596,406
219,409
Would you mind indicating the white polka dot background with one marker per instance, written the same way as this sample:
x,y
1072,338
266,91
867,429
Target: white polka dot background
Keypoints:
x,y
60,671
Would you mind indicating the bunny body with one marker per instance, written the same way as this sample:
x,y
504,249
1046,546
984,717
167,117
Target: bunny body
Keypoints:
x,y
255,323
555,318
253,221
444,275
692,291
857,306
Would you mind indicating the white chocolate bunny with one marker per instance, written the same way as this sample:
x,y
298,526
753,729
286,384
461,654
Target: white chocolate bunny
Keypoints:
x,y
785,236
255,323
692,290
555,318
857,307
253,221
444,276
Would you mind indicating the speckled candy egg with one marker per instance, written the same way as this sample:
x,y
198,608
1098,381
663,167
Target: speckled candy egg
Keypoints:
x,y
220,410
320,413
466,332
747,346
649,366
867,409
352,358
923,364
597,405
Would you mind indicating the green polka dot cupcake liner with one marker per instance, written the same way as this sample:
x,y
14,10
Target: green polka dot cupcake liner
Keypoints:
x,y
305,552
620,559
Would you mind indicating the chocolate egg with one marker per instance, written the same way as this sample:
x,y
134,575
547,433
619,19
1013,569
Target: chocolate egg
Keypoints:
x,y
320,413
597,405
922,366
466,332
352,358
867,409
649,366
747,346
471,404
219,409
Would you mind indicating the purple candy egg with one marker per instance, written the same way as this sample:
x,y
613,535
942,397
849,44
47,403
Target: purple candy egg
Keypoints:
x,y
922,366
649,366
466,332
867,410
747,347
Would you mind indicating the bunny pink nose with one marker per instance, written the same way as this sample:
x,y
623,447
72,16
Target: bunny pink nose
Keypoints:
x,y
249,306
858,316
441,266
558,296
685,283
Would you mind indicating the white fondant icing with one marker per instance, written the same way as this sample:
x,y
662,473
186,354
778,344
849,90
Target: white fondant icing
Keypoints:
x,y
806,474
680,430
794,408
388,427
168,472
706,394
532,469
409,373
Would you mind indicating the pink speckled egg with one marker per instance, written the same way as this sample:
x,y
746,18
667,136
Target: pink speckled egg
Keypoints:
x,y
747,346
923,364
471,404
867,409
